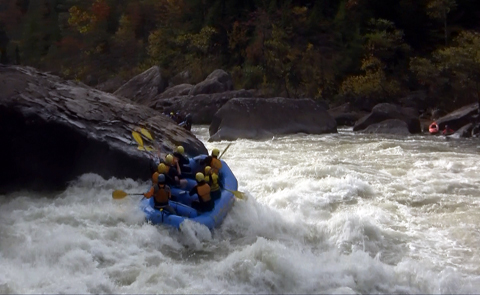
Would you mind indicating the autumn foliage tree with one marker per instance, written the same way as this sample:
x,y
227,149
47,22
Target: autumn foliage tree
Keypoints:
x,y
348,50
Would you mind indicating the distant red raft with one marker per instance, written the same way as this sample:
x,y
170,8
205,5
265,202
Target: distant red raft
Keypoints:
x,y
433,128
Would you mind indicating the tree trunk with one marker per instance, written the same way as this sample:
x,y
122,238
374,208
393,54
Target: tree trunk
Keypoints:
x,y
445,26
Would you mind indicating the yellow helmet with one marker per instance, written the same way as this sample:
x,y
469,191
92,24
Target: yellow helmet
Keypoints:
x,y
215,152
169,159
199,176
162,168
155,177
180,149
207,169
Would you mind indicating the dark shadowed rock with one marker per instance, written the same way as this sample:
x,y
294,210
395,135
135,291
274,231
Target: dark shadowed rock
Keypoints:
x,y
218,81
393,126
143,87
386,111
260,118
183,77
346,114
465,131
202,107
111,85
459,118
55,130
178,90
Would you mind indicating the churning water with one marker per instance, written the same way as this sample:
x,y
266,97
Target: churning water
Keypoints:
x,y
342,213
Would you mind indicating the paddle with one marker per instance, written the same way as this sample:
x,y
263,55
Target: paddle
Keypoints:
x,y
225,150
119,194
137,137
238,195
139,140
146,133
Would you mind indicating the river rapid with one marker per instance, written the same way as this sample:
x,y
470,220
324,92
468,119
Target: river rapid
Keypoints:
x,y
340,213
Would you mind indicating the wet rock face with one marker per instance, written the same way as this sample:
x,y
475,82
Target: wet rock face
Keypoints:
x,y
260,118
55,130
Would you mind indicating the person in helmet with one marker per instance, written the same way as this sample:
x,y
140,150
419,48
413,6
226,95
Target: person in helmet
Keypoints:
x,y
182,160
173,172
161,193
178,117
214,162
212,179
447,131
169,175
202,190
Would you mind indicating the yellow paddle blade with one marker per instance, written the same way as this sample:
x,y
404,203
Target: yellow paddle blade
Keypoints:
x,y
238,195
225,150
146,133
149,148
141,147
118,194
137,137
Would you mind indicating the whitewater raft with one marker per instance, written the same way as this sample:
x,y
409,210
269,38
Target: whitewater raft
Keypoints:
x,y
182,200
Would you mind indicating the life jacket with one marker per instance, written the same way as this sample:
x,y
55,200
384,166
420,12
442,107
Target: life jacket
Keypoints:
x,y
203,192
216,165
212,180
161,195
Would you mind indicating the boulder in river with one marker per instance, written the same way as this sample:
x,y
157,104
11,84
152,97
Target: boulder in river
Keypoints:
x,y
55,130
144,87
261,118
386,111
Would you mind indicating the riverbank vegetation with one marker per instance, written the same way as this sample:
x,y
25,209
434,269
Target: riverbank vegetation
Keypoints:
x,y
335,50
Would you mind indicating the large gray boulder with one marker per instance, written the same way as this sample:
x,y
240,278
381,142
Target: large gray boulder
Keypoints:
x,y
261,118
386,111
459,118
392,126
346,114
55,130
178,90
201,107
218,81
144,87
111,85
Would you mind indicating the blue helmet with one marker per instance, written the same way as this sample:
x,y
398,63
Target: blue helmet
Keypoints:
x,y
161,178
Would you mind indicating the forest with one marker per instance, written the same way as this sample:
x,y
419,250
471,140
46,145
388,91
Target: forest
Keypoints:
x,y
359,51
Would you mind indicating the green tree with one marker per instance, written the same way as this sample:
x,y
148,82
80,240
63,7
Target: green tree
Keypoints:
x,y
373,87
456,66
439,9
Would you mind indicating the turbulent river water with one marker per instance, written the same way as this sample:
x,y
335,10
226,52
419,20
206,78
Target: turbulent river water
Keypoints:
x,y
339,213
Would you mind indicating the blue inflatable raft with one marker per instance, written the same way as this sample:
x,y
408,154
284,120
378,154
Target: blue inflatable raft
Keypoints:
x,y
182,200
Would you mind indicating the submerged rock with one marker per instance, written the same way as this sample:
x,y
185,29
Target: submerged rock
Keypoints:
x,y
55,130
260,118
